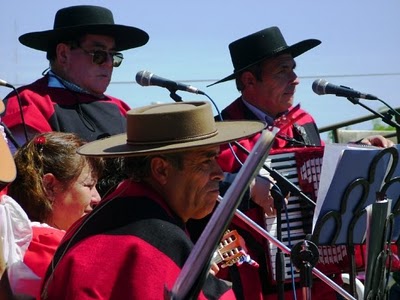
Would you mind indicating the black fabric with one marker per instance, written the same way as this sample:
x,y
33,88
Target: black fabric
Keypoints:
x,y
110,216
90,121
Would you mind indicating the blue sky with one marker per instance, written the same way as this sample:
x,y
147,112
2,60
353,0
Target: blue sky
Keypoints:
x,y
189,43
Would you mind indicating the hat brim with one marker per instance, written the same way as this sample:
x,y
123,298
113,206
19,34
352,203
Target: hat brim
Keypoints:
x,y
126,37
116,146
8,171
2,107
295,50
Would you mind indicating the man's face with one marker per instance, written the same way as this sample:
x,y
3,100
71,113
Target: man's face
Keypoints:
x,y
274,94
192,191
80,69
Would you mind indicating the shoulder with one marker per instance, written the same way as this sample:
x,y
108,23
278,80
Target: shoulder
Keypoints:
x,y
145,252
305,115
123,106
28,91
45,241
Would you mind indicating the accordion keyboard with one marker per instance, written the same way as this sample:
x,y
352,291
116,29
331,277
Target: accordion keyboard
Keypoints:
x,y
301,168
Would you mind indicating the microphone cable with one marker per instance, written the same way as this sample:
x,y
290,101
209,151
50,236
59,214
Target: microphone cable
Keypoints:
x,y
9,135
8,132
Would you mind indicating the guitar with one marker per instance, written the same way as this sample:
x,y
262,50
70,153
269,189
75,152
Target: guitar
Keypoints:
x,y
231,250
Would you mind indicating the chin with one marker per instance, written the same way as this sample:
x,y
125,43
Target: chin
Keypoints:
x,y
204,213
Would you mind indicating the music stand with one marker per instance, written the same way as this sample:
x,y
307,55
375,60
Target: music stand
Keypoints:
x,y
354,176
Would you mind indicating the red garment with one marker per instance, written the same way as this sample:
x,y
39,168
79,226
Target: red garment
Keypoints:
x,y
40,252
250,282
3,190
26,278
238,111
130,247
57,109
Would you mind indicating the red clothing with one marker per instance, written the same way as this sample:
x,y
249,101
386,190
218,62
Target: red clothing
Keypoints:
x,y
250,282
58,109
25,278
45,241
237,110
130,247
3,190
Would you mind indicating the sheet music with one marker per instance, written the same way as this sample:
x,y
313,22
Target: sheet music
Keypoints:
x,y
342,167
332,155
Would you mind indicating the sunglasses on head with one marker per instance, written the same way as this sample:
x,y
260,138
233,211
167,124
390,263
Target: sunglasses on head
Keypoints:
x,y
99,57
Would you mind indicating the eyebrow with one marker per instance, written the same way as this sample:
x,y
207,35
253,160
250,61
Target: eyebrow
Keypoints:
x,y
209,153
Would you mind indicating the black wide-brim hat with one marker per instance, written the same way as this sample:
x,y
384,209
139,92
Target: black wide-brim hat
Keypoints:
x,y
73,21
266,43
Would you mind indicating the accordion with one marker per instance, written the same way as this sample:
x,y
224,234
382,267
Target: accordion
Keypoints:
x,y
301,166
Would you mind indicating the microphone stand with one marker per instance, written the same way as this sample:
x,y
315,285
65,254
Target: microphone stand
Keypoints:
x,y
280,256
278,202
304,258
387,117
174,95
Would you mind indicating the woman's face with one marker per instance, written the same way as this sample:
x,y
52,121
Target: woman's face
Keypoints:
x,y
74,200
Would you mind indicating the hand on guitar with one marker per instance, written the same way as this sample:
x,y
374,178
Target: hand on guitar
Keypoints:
x,y
231,250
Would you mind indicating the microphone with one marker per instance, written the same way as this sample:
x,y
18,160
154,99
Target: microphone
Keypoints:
x,y
146,78
5,83
322,87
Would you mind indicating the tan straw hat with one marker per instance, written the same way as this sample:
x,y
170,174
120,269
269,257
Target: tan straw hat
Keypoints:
x,y
171,127
8,170
2,107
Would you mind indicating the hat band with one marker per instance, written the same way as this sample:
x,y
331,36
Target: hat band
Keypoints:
x,y
169,141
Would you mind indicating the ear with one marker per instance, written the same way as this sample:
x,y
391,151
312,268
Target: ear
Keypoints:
x,y
248,79
159,169
62,51
49,184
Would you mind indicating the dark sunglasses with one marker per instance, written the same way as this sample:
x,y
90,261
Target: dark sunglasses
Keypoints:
x,y
99,57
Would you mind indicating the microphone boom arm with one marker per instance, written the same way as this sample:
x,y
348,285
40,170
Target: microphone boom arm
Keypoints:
x,y
385,119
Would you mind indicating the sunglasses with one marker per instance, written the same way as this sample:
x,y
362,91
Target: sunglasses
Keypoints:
x,y
99,57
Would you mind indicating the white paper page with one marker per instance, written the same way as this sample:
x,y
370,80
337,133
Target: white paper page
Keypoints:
x,y
332,154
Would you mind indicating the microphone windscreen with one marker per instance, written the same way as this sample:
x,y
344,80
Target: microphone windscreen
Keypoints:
x,y
319,85
143,78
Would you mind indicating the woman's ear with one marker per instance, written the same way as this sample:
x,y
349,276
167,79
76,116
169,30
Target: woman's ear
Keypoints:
x,y
49,184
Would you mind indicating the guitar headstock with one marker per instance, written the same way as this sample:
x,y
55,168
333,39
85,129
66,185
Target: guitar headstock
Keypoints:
x,y
231,250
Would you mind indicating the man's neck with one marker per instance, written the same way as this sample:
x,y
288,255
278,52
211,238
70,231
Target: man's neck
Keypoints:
x,y
58,81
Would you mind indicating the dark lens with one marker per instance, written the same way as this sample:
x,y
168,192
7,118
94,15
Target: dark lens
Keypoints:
x,y
117,59
99,57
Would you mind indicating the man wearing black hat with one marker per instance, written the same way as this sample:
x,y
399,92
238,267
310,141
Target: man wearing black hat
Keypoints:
x,y
83,49
264,72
